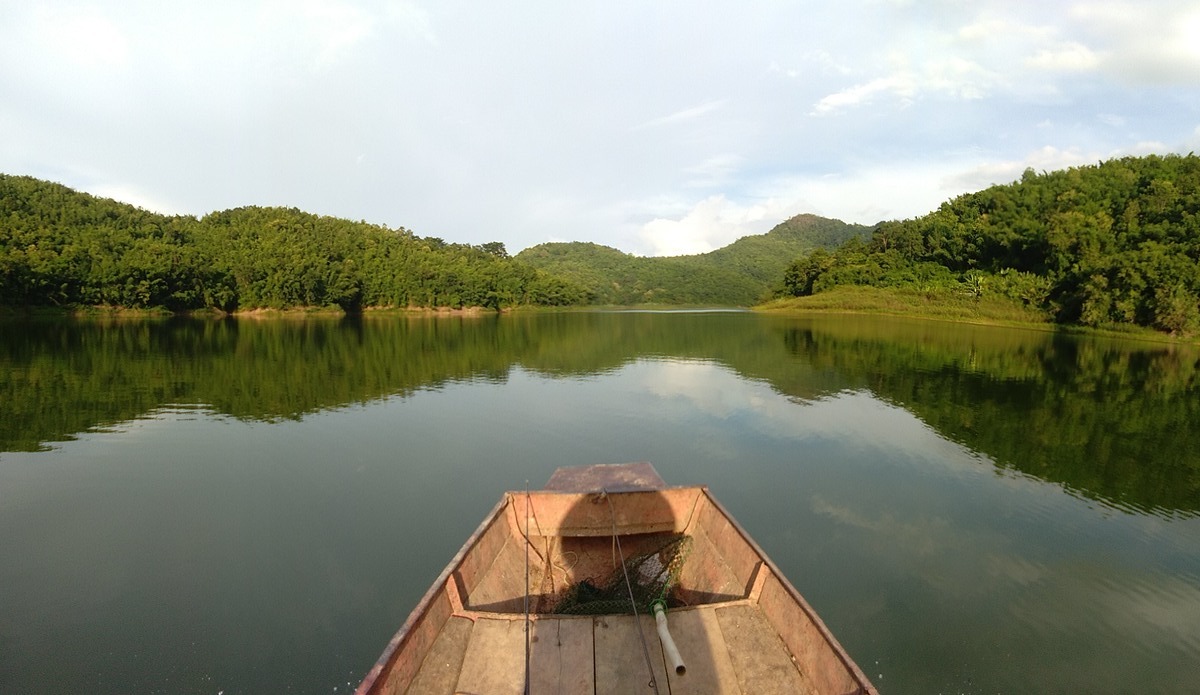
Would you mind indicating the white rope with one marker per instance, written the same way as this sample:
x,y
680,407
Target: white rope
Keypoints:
x,y
528,502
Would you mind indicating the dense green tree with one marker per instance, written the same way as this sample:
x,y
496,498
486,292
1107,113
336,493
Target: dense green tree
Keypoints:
x,y
740,274
63,248
1113,243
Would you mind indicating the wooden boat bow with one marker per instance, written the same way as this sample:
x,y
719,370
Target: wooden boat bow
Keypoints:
x,y
740,626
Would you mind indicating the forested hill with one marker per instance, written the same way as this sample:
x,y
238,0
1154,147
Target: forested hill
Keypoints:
x,y
59,247
1102,245
739,274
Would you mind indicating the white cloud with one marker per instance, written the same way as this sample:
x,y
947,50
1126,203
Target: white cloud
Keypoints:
x,y
413,18
960,78
1067,57
1023,53
318,32
1193,143
1156,43
337,27
134,195
520,124
860,94
825,62
865,194
776,68
713,171
712,223
1048,158
993,29
683,115
945,73
87,37
1142,148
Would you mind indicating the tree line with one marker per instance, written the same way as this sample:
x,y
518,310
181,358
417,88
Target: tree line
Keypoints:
x,y
59,247
1116,243
740,274
1108,244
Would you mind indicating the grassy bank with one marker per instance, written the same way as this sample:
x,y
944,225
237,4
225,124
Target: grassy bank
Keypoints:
x,y
950,306
82,312
908,302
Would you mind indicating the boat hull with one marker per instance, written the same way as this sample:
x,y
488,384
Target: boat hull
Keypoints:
x,y
740,625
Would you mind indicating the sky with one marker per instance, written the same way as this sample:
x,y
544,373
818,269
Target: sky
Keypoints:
x,y
656,127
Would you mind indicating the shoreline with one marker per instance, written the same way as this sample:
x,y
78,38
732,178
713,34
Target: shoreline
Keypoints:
x,y
84,312
872,302
997,313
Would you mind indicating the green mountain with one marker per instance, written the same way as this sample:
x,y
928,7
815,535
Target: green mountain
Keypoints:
x,y
59,247
739,274
1111,244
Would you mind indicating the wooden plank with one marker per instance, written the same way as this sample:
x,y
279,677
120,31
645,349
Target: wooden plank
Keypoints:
x,y
740,556
394,670
706,578
805,638
439,672
591,514
698,636
620,658
501,589
789,601
561,657
614,477
477,563
494,663
759,657
402,658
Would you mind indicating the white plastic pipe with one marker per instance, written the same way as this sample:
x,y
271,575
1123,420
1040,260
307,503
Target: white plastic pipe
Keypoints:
x,y
668,644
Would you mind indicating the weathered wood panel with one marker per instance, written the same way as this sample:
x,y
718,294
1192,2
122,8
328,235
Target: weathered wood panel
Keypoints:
x,y
820,661
702,647
706,576
620,659
501,589
478,561
494,663
561,657
440,669
614,477
759,657
402,656
739,555
574,514
410,646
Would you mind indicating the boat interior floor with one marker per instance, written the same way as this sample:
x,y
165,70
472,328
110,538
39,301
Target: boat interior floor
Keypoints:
x,y
726,647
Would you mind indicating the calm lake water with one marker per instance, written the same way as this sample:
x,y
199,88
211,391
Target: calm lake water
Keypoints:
x,y
254,506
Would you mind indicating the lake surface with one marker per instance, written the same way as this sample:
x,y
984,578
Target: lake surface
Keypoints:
x,y
191,506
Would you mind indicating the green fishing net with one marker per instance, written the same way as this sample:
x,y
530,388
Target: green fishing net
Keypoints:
x,y
652,576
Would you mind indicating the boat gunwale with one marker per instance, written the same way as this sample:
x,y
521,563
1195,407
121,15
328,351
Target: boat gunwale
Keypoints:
x,y
392,650
851,666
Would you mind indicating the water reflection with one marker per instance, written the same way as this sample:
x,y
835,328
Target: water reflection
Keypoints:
x,y
1109,421
287,490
